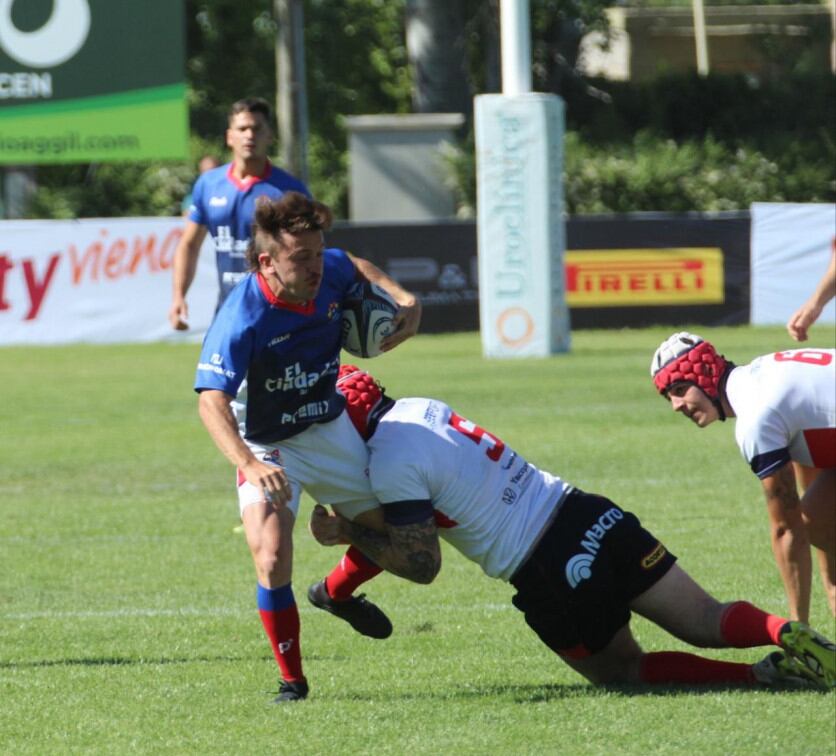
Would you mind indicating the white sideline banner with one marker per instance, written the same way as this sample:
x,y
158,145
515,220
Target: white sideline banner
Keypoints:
x,y
99,280
790,250
521,238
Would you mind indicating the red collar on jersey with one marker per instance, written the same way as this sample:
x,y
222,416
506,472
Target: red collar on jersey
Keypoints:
x,y
306,308
247,182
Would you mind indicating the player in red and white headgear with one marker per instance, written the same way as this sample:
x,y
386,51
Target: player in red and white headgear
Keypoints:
x,y
580,564
785,409
687,359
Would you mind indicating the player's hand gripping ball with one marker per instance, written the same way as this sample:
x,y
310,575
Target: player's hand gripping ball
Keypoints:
x,y
368,318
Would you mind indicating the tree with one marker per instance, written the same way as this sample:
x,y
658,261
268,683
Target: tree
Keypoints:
x,y
435,40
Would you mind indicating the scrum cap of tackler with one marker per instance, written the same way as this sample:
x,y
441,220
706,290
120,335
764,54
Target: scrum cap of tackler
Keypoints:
x,y
368,318
365,400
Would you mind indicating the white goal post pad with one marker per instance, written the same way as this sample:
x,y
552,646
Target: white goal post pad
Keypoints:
x,y
521,230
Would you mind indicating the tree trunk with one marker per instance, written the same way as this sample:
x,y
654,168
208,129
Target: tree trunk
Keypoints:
x,y
291,95
436,49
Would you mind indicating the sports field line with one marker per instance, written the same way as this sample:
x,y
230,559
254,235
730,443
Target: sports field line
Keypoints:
x,y
188,611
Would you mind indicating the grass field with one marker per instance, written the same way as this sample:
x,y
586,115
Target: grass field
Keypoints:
x,y
127,610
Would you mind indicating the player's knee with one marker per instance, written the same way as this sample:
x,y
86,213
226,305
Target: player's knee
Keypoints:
x,y
272,567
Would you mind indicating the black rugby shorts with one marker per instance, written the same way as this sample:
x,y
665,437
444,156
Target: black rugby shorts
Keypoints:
x,y
576,587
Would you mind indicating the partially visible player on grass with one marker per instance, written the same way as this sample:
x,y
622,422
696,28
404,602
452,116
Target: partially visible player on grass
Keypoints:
x,y
266,378
579,562
809,312
785,409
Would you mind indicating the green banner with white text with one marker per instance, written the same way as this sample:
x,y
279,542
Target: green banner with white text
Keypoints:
x,y
91,81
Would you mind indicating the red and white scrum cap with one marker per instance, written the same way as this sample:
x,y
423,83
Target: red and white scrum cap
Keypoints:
x,y
686,357
363,397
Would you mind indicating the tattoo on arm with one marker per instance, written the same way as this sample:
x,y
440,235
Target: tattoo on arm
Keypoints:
x,y
780,489
408,551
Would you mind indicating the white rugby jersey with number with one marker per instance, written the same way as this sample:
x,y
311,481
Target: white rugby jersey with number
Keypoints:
x,y
785,405
489,502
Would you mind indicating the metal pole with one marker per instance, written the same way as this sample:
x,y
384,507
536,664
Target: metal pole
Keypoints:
x,y
700,37
300,90
833,36
515,41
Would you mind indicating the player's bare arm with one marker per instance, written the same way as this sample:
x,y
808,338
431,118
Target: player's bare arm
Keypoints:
x,y
184,267
809,312
217,416
409,551
408,317
790,541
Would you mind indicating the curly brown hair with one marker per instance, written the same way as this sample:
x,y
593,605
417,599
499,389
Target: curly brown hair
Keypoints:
x,y
293,213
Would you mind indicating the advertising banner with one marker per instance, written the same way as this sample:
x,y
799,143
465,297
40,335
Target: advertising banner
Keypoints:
x,y
92,80
98,280
647,269
791,248
519,163
625,271
636,277
436,261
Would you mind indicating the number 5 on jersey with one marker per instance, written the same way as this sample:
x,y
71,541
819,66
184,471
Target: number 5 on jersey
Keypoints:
x,y
477,435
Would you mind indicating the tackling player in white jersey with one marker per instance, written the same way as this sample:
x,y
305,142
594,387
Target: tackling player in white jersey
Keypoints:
x,y
579,562
785,409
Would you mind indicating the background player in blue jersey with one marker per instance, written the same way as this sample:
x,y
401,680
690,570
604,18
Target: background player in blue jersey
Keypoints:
x,y
267,381
223,203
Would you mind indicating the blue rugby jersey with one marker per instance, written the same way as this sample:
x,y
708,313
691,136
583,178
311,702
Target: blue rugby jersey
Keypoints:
x,y
278,360
226,206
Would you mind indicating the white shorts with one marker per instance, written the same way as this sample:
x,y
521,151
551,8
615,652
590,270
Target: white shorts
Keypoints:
x,y
328,460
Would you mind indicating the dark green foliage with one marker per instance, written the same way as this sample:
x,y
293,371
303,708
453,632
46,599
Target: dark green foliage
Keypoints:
x,y
732,108
680,142
685,143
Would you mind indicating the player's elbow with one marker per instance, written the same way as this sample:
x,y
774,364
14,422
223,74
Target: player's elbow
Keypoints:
x,y
431,573
422,568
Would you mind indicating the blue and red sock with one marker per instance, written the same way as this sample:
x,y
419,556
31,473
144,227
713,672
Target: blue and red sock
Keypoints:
x,y
280,617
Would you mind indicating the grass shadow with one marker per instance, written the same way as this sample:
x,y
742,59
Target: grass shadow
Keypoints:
x,y
127,661
526,694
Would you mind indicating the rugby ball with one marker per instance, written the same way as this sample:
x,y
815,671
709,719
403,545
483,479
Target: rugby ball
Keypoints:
x,y
368,318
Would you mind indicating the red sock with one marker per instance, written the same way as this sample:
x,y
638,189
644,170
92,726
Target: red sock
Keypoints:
x,y
280,618
354,569
744,625
674,667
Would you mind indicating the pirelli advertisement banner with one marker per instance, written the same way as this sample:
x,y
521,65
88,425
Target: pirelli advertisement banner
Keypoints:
x,y
638,270
92,80
658,269
616,277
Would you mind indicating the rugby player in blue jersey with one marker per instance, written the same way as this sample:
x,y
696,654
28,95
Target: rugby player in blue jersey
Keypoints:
x,y
267,383
223,203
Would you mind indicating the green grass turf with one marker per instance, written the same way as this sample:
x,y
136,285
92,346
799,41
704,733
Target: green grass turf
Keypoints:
x,y
127,619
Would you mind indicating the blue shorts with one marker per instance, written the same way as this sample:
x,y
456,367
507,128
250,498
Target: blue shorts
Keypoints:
x,y
576,587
